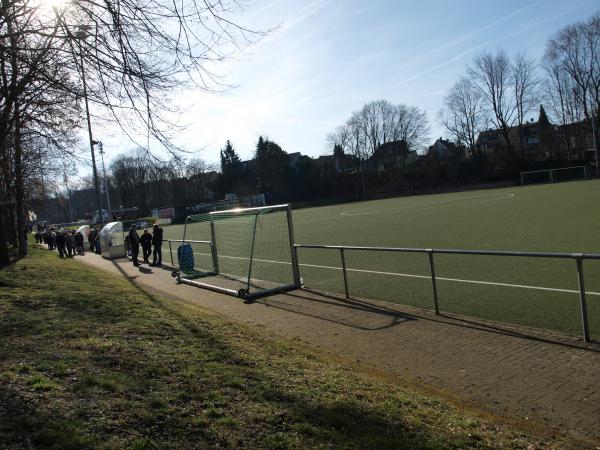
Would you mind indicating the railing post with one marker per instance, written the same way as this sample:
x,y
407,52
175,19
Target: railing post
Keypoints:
x,y
344,272
171,253
433,283
295,261
582,302
213,246
293,250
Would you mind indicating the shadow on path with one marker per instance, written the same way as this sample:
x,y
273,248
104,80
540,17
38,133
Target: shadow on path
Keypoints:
x,y
347,312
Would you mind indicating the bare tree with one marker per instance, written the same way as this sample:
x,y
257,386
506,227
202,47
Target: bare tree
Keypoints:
x,y
493,76
378,123
575,49
128,56
34,102
559,92
411,126
198,175
371,120
525,89
463,114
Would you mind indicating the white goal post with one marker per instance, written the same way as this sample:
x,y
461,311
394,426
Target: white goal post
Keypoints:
x,y
554,175
246,252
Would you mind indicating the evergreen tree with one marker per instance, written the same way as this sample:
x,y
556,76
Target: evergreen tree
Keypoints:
x,y
543,118
231,168
230,161
547,139
272,167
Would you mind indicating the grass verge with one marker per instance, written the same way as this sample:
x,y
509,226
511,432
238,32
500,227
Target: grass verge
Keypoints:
x,y
87,360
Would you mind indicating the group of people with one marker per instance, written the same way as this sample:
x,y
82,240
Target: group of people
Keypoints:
x,y
151,243
67,242
71,242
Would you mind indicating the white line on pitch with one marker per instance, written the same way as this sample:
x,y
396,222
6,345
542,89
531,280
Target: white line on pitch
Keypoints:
x,y
410,275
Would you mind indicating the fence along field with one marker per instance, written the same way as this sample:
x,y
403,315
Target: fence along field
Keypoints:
x,y
535,292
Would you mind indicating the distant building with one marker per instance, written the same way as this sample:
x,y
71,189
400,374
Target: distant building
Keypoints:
x,y
171,213
542,141
293,159
391,155
445,151
489,140
493,140
576,141
339,161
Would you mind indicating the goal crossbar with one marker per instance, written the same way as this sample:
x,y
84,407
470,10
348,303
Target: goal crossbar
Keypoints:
x,y
284,206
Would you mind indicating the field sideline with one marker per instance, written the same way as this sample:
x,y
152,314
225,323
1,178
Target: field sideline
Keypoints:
x,y
539,293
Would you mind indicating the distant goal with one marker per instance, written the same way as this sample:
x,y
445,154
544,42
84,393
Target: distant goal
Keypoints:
x,y
246,252
554,175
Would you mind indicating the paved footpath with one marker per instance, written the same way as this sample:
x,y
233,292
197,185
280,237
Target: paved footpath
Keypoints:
x,y
542,378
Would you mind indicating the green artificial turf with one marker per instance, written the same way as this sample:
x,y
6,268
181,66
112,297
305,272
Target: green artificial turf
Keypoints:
x,y
562,217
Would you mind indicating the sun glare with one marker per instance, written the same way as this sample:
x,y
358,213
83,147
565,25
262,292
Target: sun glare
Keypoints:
x,y
49,7
56,3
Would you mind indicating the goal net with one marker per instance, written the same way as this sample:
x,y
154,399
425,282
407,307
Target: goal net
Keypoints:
x,y
554,175
247,252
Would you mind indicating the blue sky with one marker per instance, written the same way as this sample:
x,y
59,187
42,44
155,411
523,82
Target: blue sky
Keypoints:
x,y
326,58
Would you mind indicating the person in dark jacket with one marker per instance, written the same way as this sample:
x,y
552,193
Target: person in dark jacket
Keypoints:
x,y
79,243
146,241
70,243
51,239
134,242
60,243
157,239
91,238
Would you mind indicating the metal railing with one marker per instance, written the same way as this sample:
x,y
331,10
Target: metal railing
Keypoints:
x,y
430,252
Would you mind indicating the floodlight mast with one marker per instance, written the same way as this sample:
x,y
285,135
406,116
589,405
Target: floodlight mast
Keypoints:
x,y
101,151
81,35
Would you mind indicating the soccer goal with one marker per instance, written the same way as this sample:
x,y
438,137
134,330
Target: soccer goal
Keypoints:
x,y
554,175
246,252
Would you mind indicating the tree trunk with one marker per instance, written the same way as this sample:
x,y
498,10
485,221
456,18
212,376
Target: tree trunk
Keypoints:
x,y
363,182
9,218
521,153
4,255
19,188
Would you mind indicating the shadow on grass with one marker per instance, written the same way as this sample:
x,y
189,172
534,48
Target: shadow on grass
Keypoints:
x,y
24,426
340,423
184,320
